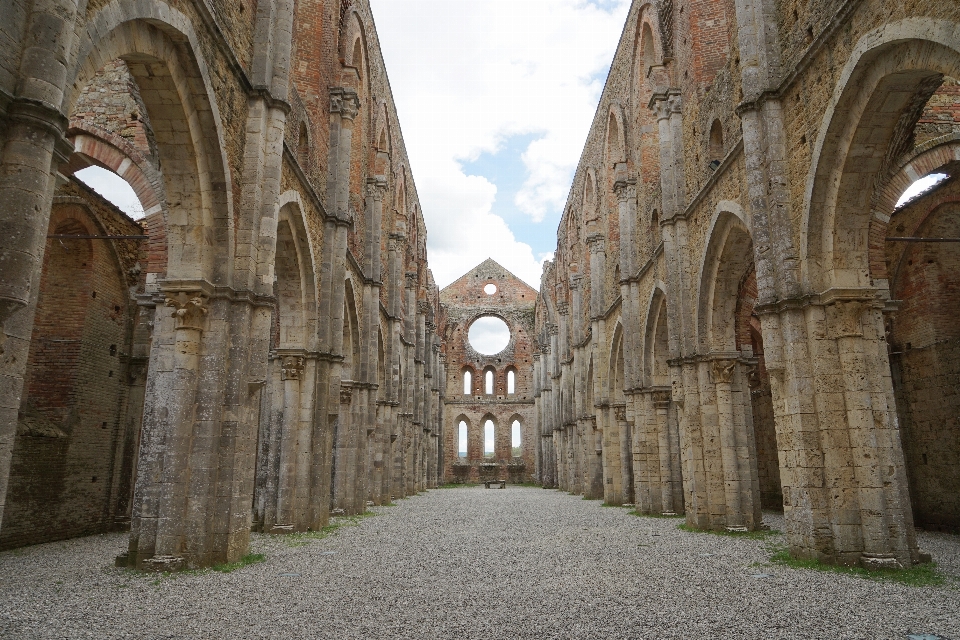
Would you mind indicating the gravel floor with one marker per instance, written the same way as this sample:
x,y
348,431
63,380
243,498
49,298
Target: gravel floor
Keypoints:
x,y
475,563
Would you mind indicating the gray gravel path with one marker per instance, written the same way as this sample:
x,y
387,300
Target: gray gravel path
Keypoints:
x,y
475,563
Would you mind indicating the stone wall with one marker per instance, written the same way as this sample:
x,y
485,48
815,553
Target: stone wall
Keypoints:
x,y
739,182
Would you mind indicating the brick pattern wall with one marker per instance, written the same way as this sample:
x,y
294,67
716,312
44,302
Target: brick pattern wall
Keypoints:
x,y
924,337
69,444
463,302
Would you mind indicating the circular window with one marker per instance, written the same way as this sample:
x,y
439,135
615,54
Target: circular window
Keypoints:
x,y
490,289
489,335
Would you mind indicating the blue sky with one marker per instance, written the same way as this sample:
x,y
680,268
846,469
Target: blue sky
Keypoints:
x,y
495,100
506,170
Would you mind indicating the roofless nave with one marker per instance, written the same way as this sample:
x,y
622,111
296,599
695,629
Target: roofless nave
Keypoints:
x,y
733,319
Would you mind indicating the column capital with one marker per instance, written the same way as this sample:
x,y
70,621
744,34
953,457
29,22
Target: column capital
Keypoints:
x,y
376,188
344,102
291,367
189,308
596,242
398,242
411,279
723,370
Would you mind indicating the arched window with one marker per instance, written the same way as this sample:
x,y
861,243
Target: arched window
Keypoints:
x,y
462,440
467,383
489,439
488,382
516,434
716,144
511,382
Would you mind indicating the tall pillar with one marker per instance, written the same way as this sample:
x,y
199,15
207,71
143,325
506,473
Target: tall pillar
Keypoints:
x,y
32,144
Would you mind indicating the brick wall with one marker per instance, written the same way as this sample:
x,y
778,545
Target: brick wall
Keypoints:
x,y
463,302
924,337
69,447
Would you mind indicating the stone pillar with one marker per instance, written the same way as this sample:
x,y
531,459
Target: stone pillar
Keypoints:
x,y
727,490
598,269
32,144
842,469
332,416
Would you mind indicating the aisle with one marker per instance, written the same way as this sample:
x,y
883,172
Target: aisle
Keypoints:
x,y
472,563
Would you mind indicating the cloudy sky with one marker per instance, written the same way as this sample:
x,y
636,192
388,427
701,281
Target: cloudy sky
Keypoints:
x,y
495,100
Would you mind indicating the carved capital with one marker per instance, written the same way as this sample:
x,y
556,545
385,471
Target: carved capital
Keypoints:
x,y
563,308
621,413
376,188
424,307
723,371
189,309
659,106
596,242
398,242
346,394
843,318
291,367
625,189
344,102
552,328
575,281
411,279
661,399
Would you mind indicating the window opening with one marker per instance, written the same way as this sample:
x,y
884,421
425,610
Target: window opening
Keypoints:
x,y
517,439
490,289
488,439
488,380
467,383
488,335
511,382
462,441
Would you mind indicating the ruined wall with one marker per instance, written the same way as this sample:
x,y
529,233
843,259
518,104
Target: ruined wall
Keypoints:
x,y
463,302
924,337
70,451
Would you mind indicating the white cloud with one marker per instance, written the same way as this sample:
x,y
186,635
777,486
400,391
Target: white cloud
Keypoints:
x,y
113,188
468,74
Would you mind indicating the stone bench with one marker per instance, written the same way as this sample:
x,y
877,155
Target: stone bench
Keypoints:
x,y
488,483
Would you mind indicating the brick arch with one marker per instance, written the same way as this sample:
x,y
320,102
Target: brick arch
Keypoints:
x,y
888,70
924,160
161,51
95,146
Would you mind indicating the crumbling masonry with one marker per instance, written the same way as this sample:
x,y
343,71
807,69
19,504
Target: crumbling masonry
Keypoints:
x,y
258,351
738,316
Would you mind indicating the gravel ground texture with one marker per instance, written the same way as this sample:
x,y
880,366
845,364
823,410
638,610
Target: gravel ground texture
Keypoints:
x,y
476,563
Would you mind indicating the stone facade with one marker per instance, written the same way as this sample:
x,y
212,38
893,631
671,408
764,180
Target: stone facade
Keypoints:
x,y
269,355
730,321
469,406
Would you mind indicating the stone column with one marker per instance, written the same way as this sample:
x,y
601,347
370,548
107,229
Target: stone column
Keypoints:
x,y
598,268
333,419
32,144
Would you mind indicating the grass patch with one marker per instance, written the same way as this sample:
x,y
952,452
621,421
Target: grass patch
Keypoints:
x,y
339,522
456,485
749,535
245,561
922,575
634,512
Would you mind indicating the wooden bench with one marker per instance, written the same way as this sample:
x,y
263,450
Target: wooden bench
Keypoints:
x,y
488,483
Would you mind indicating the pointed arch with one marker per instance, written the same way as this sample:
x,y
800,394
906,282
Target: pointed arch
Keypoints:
x,y
656,349
163,55
859,135
351,333
615,147
728,256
